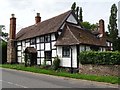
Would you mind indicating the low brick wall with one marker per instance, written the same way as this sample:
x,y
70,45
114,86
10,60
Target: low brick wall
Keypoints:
x,y
105,70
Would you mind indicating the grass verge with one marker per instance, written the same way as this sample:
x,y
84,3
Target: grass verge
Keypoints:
x,y
108,79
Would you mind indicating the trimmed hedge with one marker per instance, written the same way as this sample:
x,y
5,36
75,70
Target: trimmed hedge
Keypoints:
x,y
100,58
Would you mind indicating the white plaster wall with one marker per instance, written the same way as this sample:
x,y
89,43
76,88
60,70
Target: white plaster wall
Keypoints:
x,y
38,46
27,44
23,61
38,60
19,59
19,53
66,61
48,62
53,45
18,43
33,46
37,39
42,53
42,60
38,53
72,19
108,43
54,53
42,46
47,46
52,36
23,43
19,48
74,56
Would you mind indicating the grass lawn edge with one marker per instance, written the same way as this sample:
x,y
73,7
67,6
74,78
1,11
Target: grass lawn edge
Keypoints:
x,y
106,79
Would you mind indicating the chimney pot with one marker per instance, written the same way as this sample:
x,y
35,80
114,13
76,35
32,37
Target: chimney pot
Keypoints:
x,y
13,15
37,18
38,14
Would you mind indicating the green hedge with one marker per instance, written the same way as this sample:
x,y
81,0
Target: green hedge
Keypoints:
x,y
100,58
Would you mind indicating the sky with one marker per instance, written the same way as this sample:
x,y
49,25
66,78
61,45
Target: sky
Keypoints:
x,y
25,10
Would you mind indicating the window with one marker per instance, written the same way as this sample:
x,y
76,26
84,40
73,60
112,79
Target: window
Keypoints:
x,y
47,38
48,55
32,41
41,39
65,51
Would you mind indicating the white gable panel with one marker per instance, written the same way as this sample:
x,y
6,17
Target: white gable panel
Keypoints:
x,y
72,19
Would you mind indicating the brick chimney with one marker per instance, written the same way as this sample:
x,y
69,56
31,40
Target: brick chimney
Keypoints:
x,y
11,49
101,27
37,18
102,34
12,27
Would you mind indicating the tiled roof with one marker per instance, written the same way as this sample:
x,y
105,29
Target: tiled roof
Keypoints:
x,y
73,35
45,27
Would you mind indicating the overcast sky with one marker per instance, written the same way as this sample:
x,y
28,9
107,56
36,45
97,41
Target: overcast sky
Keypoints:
x,y
25,10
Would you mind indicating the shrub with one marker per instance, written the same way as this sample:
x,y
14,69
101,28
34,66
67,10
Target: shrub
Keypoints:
x,y
3,48
56,63
101,58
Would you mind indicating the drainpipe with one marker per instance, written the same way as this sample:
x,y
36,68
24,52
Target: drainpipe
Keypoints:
x,y
71,61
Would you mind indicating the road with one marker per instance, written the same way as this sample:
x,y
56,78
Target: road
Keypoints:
x,y
22,79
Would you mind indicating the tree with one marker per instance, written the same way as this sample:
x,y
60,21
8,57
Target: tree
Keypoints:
x,y
73,6
112,26
88,25
77,12
2,33
80,15
3,44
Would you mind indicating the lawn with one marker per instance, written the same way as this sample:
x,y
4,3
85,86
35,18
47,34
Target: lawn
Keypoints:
x,y
108,79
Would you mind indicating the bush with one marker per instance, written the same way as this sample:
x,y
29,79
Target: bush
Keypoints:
x,y
4,52
100,58
56,63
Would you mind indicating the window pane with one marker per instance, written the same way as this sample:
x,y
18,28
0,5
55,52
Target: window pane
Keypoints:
x,y
41,39
47,38
32,41
65,51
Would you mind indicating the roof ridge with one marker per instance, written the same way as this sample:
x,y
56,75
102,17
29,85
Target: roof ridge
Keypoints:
x,y
55,16
73,34
56,21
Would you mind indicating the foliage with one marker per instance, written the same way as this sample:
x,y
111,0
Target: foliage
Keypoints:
x,y
80,15
109,79
73,7
26,60
3,46
78,12
56,63
3,34
112,26
117,44
88,25
100,58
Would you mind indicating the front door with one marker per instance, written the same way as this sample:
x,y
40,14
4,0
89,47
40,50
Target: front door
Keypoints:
x,y
48,57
